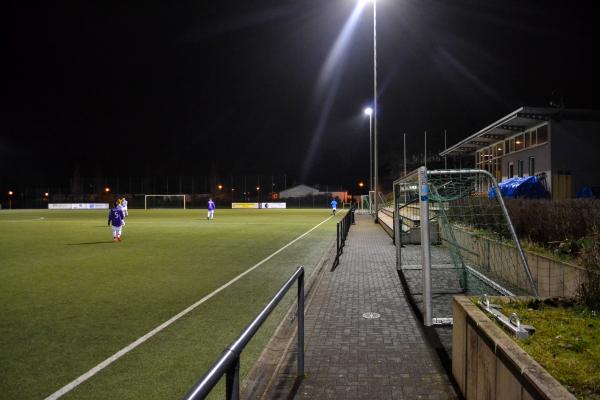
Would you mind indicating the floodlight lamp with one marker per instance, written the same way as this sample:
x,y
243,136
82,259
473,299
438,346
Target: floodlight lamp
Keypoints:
x,y
258,188
368,111
361,184
220,187
10,192
107,189
46,194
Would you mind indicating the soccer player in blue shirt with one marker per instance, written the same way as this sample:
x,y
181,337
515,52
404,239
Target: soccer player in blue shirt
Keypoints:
x,y
115,220
333,205
211,209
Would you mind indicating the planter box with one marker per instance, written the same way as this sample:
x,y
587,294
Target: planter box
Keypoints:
x,y
488,364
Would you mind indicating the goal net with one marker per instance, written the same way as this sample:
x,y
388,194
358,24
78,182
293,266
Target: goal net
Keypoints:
x,y
454,235
364,204
164,201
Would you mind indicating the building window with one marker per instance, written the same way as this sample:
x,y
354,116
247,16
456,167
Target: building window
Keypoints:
x,y
512,145
527,139
542,134
511,170
500,148
519,143
531,166
506,147
520,168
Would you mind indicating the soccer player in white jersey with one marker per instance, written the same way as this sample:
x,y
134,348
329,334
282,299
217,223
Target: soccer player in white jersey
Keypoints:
x,y
119,205
124,205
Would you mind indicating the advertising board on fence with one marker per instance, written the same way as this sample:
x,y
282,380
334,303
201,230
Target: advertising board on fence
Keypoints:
x,y
244,205
271,205
78,206
258,205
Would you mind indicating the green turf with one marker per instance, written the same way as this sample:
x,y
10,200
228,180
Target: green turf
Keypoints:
x,y
70,297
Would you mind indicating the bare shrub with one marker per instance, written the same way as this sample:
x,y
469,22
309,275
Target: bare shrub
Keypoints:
x,y
546,221
589,292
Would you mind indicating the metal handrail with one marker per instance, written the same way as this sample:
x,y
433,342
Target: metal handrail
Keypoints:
x,y
229,362
342,229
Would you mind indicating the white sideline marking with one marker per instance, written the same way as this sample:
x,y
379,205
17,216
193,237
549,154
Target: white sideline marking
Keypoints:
x,y
72,385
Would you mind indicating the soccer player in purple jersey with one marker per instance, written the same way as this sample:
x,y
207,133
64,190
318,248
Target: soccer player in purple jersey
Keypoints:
x,y
115,220
211,209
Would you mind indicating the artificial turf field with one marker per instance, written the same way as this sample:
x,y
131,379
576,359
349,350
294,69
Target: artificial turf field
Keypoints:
x,y
70,297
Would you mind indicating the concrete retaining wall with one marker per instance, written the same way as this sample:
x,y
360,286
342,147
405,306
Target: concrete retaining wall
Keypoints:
x,y
553,278
488,364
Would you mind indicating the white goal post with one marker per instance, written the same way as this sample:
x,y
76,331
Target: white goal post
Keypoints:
x,y
179,199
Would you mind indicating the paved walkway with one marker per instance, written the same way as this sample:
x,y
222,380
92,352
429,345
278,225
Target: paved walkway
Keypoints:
x,y
352,357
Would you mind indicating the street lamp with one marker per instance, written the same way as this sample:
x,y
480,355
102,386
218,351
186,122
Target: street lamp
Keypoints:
x,y
10,193
369,111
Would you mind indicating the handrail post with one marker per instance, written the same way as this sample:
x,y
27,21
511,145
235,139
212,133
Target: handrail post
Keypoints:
x,y
301,326
337,238
232,381
343,233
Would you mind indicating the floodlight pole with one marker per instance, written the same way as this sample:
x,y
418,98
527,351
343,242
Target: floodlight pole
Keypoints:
x,y
375,108
445,147
371,151
404,154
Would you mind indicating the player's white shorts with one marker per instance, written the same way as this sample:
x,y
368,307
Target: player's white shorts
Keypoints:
x,y
211,214
125,213
116,230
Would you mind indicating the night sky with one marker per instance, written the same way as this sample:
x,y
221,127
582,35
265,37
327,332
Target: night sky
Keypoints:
x,y
239,87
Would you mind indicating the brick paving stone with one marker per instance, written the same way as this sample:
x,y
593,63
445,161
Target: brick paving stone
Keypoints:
x,y
350,357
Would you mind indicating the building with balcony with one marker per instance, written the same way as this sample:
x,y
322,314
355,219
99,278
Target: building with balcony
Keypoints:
x,y
561,146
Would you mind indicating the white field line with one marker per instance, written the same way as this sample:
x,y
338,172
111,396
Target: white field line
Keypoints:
x,y
72,385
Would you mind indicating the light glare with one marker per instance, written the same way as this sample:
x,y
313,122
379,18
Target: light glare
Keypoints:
x,y
368,111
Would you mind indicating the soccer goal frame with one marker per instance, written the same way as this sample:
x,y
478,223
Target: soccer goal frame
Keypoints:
x,y
414,191
146,196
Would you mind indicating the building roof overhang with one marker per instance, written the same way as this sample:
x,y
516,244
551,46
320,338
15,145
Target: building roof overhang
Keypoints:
x,y
520,120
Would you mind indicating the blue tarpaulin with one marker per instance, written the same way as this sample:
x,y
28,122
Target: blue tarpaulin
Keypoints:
x,y
529,187
585,192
